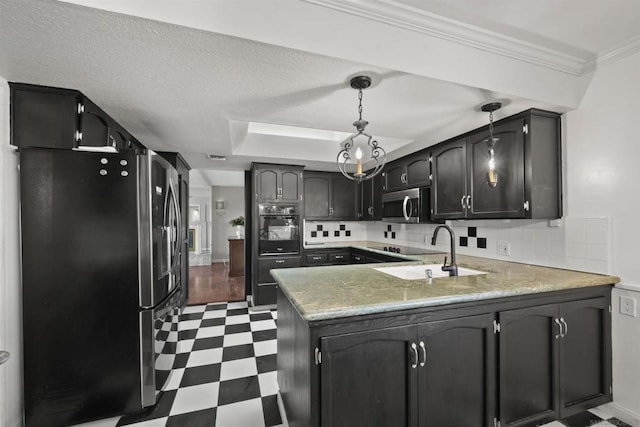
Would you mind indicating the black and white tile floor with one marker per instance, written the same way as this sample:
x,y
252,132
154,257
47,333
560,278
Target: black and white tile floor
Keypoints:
x,y
226,375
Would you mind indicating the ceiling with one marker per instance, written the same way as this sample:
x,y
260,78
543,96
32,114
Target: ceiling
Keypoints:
x,y
189,76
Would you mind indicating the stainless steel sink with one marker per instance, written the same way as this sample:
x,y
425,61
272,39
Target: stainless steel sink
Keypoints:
x,y
416,272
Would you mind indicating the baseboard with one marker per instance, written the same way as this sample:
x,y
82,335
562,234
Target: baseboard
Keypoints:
x,y
623,414
283,414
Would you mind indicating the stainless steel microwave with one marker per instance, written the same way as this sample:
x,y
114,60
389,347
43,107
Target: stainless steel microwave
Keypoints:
x,y
411,206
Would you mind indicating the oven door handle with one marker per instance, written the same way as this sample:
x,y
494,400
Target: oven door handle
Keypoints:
x,y
407,214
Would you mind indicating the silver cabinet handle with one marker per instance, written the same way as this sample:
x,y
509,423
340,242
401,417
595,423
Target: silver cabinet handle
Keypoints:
x,y
462,202
279,261
557,322
566,327
469,201
414,349
4,356
424,354
370,210
330,211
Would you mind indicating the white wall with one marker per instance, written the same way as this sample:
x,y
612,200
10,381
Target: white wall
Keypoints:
x,y
221,229
10,290
603,149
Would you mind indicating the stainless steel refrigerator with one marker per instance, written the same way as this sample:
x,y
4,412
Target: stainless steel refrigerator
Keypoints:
x,y
101,241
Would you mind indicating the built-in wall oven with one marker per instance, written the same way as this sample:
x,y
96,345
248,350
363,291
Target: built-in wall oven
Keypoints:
x,y
410,206
278,229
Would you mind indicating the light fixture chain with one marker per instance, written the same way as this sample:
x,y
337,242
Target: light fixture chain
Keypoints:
x,y
360,103
491,124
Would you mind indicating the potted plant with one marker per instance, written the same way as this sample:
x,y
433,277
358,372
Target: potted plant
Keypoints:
x,y
238,223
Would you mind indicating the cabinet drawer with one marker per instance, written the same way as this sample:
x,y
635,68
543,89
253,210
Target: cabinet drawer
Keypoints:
x,y
266,294
339,258
266,264
316,259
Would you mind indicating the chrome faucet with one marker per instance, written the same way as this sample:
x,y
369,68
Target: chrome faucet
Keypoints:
x,y
453,267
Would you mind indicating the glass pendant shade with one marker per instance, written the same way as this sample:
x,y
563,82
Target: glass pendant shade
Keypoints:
x,y
492,175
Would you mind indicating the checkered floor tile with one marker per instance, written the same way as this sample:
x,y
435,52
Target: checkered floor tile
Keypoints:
x,y
598,417
226,375
226,371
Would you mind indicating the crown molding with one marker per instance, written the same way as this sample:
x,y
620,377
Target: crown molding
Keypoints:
x,y
402,16
612,55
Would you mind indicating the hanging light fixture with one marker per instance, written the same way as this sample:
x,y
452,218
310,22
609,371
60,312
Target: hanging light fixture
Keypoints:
x,y
492,175
360,140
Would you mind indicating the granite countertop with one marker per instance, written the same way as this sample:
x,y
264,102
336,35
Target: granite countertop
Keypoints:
x,y
330,292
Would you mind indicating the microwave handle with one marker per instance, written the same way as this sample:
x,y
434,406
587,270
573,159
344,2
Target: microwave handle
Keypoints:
x,y
405,212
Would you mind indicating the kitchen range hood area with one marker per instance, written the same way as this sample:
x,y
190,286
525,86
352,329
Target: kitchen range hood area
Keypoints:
x,y
486,276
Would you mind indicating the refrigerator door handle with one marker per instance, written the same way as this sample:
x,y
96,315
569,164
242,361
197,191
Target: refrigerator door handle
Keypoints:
x,y
178,243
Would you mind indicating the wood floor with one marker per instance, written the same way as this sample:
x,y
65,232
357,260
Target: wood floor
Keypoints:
x,y
211,283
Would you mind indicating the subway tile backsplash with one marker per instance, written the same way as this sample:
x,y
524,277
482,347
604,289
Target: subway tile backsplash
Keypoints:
x,y
576,243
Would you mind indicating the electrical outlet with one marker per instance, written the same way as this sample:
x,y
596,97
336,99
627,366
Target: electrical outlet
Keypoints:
x,y
627,306
503,248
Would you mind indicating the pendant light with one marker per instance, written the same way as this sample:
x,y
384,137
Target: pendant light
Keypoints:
x,y
360,143
492,175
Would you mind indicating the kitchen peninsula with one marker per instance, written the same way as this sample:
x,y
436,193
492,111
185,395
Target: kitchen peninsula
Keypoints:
x,y
520,344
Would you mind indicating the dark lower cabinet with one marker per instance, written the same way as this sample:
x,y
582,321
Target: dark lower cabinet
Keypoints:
x,y
528,365
265,288
585,377
367,379
457,381
513,361
554,360
433,374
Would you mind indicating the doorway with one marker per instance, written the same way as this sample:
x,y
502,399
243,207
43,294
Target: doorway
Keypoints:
x,y
213,271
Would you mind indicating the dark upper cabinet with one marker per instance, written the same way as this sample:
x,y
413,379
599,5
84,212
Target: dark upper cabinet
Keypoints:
x,y
344,198
449,189
527,158
371,199
277,183
410,171
67,119
393,174
330,196
55,110
506,199
554,360
316,194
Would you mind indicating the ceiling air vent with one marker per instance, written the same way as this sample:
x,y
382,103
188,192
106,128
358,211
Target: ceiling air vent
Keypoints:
x,y
215,157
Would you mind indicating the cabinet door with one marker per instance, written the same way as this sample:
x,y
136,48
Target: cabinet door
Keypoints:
x,y
343,198
528,373
394,176
585,365
372,198
290,186
448,193
267,184
94,125
457,381
316,195
54,111
367,379
418,170
506,199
